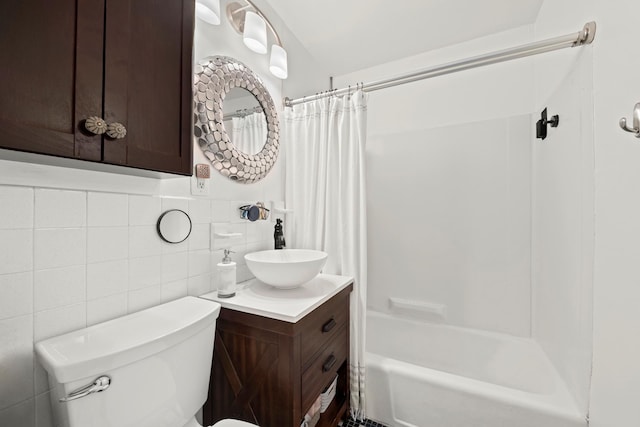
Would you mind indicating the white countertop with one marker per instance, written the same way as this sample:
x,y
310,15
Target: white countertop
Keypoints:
x,y
289,305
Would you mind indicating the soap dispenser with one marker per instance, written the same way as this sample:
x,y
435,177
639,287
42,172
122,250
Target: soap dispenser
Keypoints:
x,y
278,235
226,276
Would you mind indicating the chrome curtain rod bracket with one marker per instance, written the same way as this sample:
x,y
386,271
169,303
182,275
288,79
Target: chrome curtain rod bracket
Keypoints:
x,y
587,34
582,38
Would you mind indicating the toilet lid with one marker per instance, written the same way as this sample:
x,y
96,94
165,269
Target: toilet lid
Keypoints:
x,y
232,423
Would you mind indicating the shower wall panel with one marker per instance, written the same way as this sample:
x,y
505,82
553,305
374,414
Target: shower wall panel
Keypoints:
x,y
449,162
449,222
563,202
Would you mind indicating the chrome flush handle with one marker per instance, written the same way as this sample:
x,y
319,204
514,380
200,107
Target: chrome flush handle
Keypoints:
x,y
100,384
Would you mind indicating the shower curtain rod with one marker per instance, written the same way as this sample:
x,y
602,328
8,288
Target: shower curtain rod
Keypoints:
x,y
581,38
242,113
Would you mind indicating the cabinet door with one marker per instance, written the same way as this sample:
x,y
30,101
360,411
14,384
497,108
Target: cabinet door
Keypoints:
x,y
51,75
254,376
148,79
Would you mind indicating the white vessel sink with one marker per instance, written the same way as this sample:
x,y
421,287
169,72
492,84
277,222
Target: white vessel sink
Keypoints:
x,y
286,268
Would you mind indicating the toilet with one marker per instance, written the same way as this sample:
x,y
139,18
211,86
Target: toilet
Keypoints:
x,y
146,369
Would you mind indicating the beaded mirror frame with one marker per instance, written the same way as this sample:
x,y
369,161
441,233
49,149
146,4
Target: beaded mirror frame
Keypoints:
x,y
214,77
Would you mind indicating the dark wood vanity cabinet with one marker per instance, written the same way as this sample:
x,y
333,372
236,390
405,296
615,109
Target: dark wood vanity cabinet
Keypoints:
x,y
270,372
126,61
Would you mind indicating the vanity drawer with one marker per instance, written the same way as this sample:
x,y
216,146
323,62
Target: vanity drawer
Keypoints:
x,y
324,367
322,325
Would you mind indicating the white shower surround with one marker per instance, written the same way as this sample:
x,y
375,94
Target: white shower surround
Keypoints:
x,y
457,122
460,377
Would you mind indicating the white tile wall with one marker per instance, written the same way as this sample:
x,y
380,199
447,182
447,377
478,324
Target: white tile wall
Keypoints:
x,y
17,256
220,211
22,414
59,287
144,272
144,210
200,211
176,266
71,259
108,210
169,203
199,285
107,278
60,208
106,308
199,263
59,247
50,323
44,416
199,238
144,241
17,207
140,299
173,290
16,354
107,244
16,295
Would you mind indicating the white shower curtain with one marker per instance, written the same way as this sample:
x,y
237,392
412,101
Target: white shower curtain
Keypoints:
x,y
250,132
325,187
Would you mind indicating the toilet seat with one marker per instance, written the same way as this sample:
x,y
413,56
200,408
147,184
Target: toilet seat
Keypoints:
x,y
232,423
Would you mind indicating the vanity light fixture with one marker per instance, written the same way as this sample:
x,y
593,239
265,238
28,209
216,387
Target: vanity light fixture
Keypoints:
x,y
255,33
209,11
249,21
278,62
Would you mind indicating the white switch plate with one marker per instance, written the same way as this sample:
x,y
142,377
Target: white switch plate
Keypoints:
x,y
199,186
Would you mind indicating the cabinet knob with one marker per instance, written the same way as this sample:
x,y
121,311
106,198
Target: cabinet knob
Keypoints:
x,y
116,130
95,125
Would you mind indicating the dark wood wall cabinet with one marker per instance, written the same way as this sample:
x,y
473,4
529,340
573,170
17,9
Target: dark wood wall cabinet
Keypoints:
x,y
125,61
269,372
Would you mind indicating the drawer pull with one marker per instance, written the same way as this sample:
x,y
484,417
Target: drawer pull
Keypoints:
x,y
331,360
328,326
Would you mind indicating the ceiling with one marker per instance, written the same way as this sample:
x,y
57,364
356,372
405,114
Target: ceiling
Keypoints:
x,y
350,35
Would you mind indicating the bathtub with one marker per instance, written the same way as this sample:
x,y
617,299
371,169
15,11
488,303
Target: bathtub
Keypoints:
x,y
429,375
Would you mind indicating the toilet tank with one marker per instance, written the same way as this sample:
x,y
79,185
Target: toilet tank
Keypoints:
x,y
158,360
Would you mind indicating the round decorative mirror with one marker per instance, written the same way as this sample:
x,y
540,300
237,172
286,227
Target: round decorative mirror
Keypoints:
x,y
244,121
174,226
236,122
